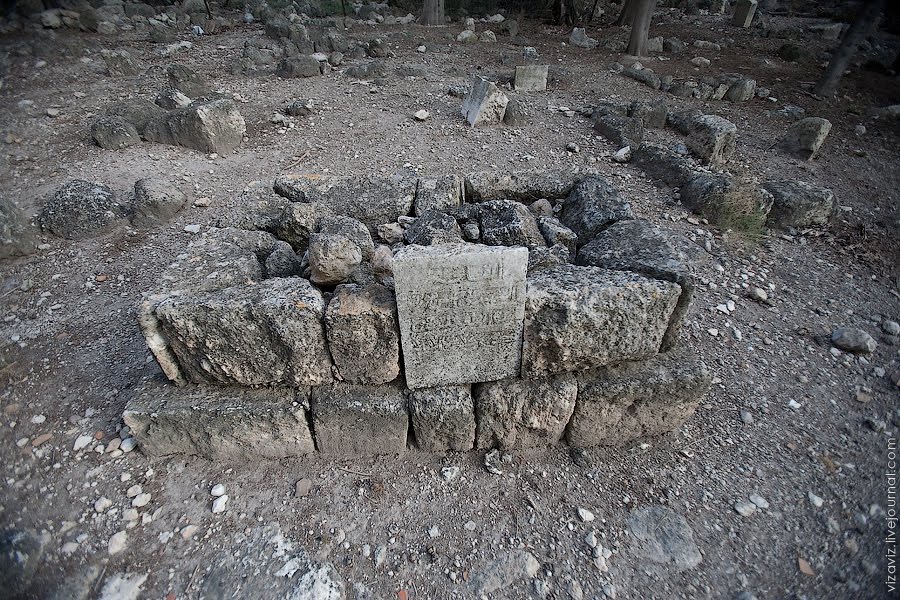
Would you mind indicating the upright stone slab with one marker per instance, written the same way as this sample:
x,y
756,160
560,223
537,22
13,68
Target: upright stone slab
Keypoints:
x,y
461,308
531,78
744,12
484,104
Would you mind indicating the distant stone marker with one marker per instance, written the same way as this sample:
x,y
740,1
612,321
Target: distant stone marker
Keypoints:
x,y
461,309
743,13
531,78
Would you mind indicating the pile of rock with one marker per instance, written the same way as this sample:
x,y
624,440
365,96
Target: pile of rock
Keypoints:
x,y
187,113
729,86
513,310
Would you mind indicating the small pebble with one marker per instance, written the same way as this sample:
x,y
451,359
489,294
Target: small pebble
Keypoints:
x,y
217,490
218,505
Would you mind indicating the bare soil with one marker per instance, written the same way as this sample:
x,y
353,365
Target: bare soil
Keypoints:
x,y
70,348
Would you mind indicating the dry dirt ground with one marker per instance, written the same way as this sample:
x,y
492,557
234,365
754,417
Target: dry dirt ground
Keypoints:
x,y
393,527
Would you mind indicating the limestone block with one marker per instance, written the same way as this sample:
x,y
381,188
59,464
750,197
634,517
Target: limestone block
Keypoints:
x,y
517,413
485,103
363,335
517,185
635,400
215,126
805,137
798,204
438,193
583,317
359,420
531,78
593,204
443,418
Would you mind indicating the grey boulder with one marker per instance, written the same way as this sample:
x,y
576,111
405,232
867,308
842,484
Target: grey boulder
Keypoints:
x,y
212,127
800,205
593,205
81,209
156,201
114,133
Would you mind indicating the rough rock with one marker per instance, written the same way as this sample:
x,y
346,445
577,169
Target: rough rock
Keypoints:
x,y
297,222
485,103
123,586
187,81
510,567
508,223
354,420
219,423
156,201
800,205
853,340
349,228
372,200
710,137
438,193
443,418
515,115
662,536
262,334
593,205
20,554
621,131
120,63
283,261
641,247
516,413
645,76
363,334
636,400
517,185
114,133
298,66
17,236
662,164
583,317
545,258
650,114
212,127
805,137
531,78
81,209
332,258
723,200
433,227
555,233
579,38
137,111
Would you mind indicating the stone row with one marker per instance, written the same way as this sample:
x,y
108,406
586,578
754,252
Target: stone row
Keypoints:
x,y
608,406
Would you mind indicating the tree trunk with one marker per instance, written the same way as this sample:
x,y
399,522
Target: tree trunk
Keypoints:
x,y
433,13
863,25
626,17
640,27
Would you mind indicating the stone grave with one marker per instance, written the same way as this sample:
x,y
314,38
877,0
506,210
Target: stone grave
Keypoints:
x,y
538,310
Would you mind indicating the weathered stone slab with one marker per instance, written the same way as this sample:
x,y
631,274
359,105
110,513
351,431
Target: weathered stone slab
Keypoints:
x,y
621,131
517,413
578,318
744,11
359,420
461,308
484,104
639,246
262,334
799,204
363,335
724,200
219,423
438,193
443,418
593,205
662,164
372,200
531,78
712,138
634,400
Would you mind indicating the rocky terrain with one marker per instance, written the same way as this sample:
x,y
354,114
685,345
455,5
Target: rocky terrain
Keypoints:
x,y
779,486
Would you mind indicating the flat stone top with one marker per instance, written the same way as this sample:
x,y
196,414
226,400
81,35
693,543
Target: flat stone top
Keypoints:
x,y
461,309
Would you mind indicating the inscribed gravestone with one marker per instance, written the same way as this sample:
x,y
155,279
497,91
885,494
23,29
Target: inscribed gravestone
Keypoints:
x,y
461,308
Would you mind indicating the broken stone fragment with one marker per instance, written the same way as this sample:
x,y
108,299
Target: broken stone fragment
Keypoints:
x,y
508,223
485,103
212,127
433,227
156,201
332,258
804,138
593,204
800,205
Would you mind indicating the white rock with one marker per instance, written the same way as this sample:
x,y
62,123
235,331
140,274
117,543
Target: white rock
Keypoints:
x,y
82,442
449,473
102,504
622,155
217,490
759,501
189,531
745,509
585,515
122,586
422,115
195,228
135,490
128,444
218,505
141,500
117,542
816,500
38,419
69,547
